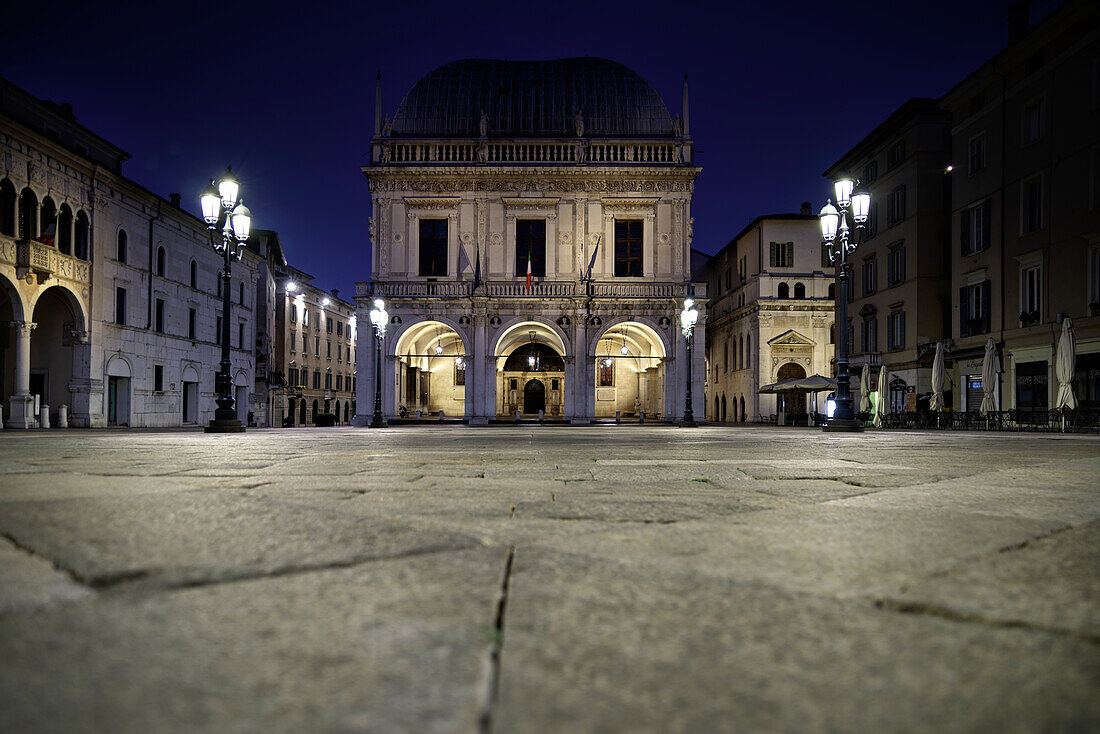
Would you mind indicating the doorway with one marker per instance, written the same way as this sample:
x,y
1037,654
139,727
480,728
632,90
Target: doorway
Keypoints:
x,y
190,402
534,396
118,401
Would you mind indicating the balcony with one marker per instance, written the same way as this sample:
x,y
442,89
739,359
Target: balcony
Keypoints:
x,y
539,289
43,261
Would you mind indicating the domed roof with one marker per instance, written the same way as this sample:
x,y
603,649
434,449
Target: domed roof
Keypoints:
x,y
527,99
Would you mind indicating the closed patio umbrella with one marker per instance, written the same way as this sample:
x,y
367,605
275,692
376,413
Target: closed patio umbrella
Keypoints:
x,y
1067,357
989,378
880,406
939,377
865,390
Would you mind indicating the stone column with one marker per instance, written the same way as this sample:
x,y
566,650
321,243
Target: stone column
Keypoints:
x,y
479,397
80,413
21,403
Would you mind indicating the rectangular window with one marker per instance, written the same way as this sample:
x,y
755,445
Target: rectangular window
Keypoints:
x,y
328,350
870,275
1031,205
340,381
1033,122
826,260
974,306
317,321
869,334
316,380
339,352
305,316
895,330
158,378
328,325
293,311
895,155
293,341
240,336
460,372
120,306
895,270
895,209
974,228
531,240
218,331
1031,385
292,376
316,346
192,317
328,380
976,104
433,247
976,156
339,328
628,248
607,372
1031,294
782,254
158,315
870,172
872,220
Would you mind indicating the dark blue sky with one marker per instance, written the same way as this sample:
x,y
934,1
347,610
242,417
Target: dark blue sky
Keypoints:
x,y
779,90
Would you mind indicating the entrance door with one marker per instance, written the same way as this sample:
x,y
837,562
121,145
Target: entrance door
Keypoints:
x,y
190,402
534,396
118,401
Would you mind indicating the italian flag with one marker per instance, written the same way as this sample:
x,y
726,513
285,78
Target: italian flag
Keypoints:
x,y
528,288
47,239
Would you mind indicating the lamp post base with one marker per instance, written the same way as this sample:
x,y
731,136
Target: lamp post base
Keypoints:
x,y
224,426
850,425
686,423
378,422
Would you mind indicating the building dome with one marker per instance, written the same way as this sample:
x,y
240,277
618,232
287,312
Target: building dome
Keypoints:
x,y
532,99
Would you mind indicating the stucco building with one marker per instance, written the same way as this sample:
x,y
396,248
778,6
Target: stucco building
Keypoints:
x,y
571,168
111,292
770,316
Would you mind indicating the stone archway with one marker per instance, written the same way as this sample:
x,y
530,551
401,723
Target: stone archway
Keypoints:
x,y
430,358
59,324
526,352
791,402
630,371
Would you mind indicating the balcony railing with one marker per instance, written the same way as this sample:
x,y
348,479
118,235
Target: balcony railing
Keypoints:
x,y
539,289
548,152
43,261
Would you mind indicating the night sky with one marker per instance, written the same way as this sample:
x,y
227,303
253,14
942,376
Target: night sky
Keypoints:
x,y
779,90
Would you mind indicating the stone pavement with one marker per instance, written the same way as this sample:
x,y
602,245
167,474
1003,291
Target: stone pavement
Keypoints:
x,y
527,579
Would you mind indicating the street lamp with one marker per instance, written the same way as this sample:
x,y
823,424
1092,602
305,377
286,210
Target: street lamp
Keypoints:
x,y
688,317
219,203
854,196
380,318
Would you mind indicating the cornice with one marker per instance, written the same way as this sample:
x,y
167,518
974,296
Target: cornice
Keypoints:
x,y
530,202
433,202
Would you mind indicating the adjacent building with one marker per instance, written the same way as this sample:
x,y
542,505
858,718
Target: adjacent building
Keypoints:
x,y
770,316
111,292
899,302
531,237
316,339
1025,210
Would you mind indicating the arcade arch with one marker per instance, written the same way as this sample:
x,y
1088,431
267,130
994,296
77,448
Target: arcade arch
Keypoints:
x,y
430,358
630,371
530,370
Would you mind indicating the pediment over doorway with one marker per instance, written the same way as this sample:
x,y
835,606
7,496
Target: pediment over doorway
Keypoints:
x,y
791,338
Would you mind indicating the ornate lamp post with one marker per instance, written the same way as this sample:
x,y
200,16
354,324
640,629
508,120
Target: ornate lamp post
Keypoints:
x,y
688,317
219,203
380,319
853,196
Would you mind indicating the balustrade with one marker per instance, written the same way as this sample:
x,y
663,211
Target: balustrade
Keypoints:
x,y
518,289
549,152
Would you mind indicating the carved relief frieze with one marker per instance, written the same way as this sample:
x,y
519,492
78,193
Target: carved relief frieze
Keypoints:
x,y
434,202
590,183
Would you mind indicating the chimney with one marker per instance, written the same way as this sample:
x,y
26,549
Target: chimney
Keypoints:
x,y
175,199
1019,20
807,210
335,292
67,110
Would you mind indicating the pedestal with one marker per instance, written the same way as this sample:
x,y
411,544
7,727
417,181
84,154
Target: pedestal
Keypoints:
x,y
20,411
843,426
224,426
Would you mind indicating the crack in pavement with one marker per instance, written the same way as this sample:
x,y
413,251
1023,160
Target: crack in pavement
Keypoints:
x,y
953,615
490,679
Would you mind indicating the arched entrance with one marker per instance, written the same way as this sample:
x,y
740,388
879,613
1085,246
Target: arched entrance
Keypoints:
x,y
530,371
534,397
302,413
630,371
431,370
118,392
791,402
190,381
57,317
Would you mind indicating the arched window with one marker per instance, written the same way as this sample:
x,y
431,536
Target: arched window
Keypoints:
x,y
160,261
194,274
240,298
28,215
723,417
47,216
81,244
741,353
748,351
784,291
120,250
716,407
7,208
65,230
743,416
799,290
832,291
